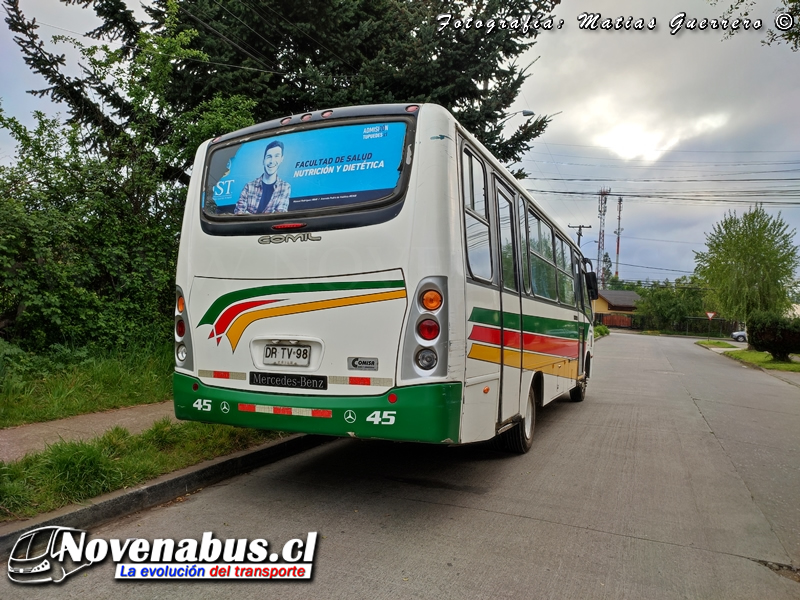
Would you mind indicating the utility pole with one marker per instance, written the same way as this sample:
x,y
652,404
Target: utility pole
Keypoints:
x,y
618,232
601,238
580,229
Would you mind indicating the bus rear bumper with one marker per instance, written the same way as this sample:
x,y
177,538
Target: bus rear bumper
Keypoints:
x,y
422,413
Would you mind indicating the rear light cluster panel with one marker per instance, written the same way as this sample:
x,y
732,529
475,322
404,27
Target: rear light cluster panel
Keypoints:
x,y
426,339
183,336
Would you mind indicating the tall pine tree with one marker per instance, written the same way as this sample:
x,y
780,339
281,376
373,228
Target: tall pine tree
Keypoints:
x,y
292,56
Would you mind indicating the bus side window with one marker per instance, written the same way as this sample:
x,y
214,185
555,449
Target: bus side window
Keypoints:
x,y
473,179
523,244
507,250
540,248
566,278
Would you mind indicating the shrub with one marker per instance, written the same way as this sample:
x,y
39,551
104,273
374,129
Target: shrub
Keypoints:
x,y
772,332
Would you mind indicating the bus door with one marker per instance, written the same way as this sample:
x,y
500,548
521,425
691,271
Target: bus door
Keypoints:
x,y
482,304
577,273
510,303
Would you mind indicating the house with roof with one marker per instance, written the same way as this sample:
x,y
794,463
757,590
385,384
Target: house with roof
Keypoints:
x,y
614,308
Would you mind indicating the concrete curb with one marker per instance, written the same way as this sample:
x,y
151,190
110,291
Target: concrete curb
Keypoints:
x,y
167,487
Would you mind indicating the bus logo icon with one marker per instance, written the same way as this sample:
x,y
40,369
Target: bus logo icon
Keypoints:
x,y
359,363
350,416
39,556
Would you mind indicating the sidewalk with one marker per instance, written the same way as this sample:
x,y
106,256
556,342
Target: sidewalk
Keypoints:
x,y
15,442
790,377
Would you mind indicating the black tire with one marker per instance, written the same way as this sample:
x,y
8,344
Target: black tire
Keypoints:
x,y
519,438
740,338
578,393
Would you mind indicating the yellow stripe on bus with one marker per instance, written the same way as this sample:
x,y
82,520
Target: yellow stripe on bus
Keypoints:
x,y
242,322
530,361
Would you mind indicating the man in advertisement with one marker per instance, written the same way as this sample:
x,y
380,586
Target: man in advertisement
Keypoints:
x,y
269,193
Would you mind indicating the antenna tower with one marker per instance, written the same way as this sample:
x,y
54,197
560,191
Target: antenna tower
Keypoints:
x,y
618,232
601,239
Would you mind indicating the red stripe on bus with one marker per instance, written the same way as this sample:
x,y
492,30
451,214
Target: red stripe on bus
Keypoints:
x,y
281,410
321,412
360,381
230,313
221,374
247,408
531,342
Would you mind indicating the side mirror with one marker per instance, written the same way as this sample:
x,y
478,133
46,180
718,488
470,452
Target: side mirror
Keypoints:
x,y
591,285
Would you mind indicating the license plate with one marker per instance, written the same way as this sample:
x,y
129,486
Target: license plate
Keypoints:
x,y
287,355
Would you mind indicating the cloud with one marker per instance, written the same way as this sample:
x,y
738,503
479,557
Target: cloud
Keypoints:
x,y
650,137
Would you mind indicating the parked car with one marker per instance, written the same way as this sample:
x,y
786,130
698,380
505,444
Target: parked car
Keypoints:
x,y
739,336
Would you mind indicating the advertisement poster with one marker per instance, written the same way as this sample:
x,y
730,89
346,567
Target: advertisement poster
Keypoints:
x,y
306,170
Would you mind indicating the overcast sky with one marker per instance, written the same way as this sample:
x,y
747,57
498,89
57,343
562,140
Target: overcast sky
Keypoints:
x,y
633,106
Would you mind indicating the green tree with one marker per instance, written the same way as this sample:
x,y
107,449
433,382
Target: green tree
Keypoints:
x,y
749,263
615,283
668,304
88,248
607,271
743,9
291,57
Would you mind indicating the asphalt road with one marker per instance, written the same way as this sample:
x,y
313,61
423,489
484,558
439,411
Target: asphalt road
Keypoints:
x,y
678,477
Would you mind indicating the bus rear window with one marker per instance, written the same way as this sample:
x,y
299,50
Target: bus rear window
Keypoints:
x,y
310,170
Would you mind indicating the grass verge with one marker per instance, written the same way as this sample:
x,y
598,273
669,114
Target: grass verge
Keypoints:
x,y
714,344
763,359
73,471
65,382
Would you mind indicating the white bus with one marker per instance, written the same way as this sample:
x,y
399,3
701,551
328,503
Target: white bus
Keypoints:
x,y
374,272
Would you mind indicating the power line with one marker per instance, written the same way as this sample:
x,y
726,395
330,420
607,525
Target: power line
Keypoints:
x,y
630,237
320,44
690,151
223,37
656,268
207,62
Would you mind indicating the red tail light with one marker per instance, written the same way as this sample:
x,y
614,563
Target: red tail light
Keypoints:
x,y
428,329
180,328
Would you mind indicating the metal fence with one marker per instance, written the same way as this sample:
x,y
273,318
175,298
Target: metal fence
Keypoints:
x,y
695,326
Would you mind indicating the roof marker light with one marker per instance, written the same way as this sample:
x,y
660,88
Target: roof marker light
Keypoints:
x,y
286,120
412,108
306,117
327,114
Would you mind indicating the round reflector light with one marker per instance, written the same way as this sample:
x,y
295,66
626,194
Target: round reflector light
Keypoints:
x,y
392,398
181,353
426,359
431,300
428,329
180,328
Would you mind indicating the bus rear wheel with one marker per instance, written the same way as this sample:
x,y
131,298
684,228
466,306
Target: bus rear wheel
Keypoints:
x,y
519,438
578,393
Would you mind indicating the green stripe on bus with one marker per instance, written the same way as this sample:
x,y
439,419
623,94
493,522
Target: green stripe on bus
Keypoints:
x,y
530,324
422,413
226,300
